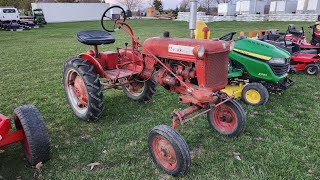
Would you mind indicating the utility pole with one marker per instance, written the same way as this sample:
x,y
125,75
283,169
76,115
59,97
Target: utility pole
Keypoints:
x,y
193,17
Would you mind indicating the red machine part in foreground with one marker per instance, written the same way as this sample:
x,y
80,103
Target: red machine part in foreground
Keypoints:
x,y
30,131
196,69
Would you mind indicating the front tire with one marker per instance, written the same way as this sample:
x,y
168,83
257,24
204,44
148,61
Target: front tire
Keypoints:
x,y
169,150
36,143
140,91
228,119
312,69
255,94
83,89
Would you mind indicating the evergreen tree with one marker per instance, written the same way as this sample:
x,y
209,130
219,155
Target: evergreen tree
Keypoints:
x,y
157,4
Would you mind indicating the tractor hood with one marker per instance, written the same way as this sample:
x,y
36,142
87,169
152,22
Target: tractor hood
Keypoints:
x,y
259,49
182,47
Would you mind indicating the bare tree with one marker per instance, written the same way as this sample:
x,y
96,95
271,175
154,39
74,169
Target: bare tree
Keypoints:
x,y
223,1
131,4
184,5
208,4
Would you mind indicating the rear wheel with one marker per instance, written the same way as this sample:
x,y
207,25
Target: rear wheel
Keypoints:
x,y
228,119
169,150
255,94
83,89
140,91
36,143
312,69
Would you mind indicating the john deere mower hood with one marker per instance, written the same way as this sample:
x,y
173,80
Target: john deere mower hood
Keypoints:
x,y
258,49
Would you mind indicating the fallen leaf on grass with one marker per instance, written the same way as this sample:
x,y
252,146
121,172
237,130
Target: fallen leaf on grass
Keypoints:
x,y
39,165
2,151
279,126
92,165
258,138
311,171
236,155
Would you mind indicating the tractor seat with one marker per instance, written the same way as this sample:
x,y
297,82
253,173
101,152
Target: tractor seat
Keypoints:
x,y
95,37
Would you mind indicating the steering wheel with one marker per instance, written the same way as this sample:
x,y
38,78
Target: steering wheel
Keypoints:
x,y
109,23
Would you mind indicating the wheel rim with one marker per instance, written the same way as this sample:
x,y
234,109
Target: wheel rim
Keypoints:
x,y
253,96
77,91
224,118
164,152
312,70
24,141
135,89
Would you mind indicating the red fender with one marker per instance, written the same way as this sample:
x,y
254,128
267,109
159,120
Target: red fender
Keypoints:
x,y
97,66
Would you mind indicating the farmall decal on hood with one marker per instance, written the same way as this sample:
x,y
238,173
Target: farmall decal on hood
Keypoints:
x,y
178,49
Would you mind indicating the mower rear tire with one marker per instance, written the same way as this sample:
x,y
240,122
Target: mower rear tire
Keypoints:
x,y
83,89
228,119
144,93
312,69
36,143
169,150
255,94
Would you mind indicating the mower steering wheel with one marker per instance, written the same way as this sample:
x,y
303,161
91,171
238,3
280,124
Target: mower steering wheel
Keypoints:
x,y
106,19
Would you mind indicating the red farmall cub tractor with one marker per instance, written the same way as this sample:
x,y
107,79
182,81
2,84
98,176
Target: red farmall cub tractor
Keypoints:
x,y
197,69
30,131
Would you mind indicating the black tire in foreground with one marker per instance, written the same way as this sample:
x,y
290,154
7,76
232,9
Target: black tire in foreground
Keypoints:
x,y
36,143
169,150
228,119
255,94
144,93
83,89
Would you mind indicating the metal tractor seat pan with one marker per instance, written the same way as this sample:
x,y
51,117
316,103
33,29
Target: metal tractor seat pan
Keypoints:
x,y
95,37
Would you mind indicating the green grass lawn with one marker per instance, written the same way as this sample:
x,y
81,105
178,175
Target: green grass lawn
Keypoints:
x,y
281,140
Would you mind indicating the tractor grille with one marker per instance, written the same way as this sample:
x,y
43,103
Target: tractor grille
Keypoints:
x,y
280,69
216,76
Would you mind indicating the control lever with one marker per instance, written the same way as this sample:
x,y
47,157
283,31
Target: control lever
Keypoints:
x,y
126,44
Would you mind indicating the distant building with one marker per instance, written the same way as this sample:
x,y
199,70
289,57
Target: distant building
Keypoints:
x,y
253,6
227,9
283,6
308,7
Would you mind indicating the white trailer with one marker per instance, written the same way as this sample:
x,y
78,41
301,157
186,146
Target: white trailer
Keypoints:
x,y
308,7
252,6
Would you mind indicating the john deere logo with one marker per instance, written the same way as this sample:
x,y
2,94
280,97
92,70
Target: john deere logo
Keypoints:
x,y
262,74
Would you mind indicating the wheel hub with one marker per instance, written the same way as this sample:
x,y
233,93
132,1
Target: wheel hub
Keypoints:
x,y
253,96
164,152
80,91
224,118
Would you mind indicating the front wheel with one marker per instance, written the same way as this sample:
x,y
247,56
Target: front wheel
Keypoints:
x,y
169,150
228,119
312,69
36,142
255,94
83,89
140,91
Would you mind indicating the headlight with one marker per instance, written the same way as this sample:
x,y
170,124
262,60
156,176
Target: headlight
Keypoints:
x,y
199,51
278,61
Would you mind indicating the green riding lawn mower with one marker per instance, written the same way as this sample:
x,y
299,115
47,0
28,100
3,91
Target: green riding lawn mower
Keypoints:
x,y
256,69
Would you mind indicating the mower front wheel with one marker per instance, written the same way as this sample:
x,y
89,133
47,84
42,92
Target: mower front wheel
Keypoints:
x,y
228,119
140,91
255,94
312,69
169,150
36,142
83,89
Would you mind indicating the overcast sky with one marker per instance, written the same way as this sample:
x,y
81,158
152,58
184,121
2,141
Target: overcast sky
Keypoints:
x,y
167,4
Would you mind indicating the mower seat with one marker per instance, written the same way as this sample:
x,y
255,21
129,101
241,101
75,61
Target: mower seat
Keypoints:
x,y
95,37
